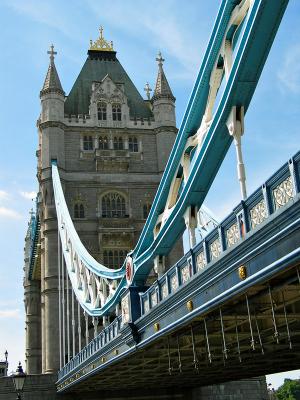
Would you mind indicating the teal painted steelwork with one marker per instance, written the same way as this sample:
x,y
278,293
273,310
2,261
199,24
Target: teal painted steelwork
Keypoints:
x,y
258,34
250,53
66,227
218,281
34,232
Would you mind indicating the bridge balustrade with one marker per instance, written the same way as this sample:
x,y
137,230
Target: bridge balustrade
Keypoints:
x,y
107,335
246,218
274,194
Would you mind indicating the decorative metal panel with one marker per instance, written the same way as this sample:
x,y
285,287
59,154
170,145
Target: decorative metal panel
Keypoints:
x,y
146,305
153,299
185,273
174,282
125,309
258,214
283,193
215,249
232,235
201,262
164,290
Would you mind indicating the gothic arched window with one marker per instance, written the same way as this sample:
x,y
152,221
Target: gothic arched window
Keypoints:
x,y
78,210
116,112
133,144
88,143
118,143
113,206
114,258
102,114
103,143
146,210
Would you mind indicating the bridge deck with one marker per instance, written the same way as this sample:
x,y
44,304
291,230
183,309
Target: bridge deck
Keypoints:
x,y
237,316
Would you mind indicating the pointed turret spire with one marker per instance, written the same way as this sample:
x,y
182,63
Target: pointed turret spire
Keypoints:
x,y
52,82
162,89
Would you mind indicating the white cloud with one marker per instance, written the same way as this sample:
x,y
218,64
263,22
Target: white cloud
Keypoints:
x,y
3,195
28,195
14,313
9,213
289,73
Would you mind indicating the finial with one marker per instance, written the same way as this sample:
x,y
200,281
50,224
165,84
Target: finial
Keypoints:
x,y
147,89
52,53
101,44
159,59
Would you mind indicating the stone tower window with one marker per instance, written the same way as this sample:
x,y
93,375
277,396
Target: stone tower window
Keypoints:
x,y
113,206
78,210
103,143
114,258
146,210
118,143
88,143
116,112
102,114
133,144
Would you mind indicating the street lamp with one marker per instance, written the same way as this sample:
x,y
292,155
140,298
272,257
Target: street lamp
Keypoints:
x,y
6,363
19,379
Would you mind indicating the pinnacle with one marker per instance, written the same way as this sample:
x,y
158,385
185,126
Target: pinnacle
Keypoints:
x,y
52,81
162,87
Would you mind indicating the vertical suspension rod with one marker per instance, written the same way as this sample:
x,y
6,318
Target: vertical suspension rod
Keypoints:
x,y
59,301
207,342
63,308
68,317
179,356
223,335
79,327
276,334
286,322
250,323
195,358
238,340
73,325
169,356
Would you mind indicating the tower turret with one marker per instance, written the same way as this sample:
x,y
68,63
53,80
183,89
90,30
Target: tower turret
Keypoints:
x,y
163,100
52,94
163,108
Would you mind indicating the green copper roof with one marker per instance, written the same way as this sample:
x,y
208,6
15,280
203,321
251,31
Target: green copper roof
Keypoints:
x,y
97,66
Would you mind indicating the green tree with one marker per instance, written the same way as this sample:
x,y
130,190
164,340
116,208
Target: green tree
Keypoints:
x,y
290,390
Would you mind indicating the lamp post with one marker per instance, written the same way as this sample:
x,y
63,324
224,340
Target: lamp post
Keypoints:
x,y
19,380
6,363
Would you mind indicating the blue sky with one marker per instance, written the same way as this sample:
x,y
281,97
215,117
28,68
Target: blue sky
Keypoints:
x,y
138,28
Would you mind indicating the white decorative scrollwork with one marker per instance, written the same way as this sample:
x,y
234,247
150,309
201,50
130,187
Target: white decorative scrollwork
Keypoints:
x,y
215,249
153,298
283,193
164,290
200,261
232,235
174,282
185,274
146,306
258,214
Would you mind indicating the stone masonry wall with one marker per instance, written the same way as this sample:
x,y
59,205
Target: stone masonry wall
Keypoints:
x,y
42,387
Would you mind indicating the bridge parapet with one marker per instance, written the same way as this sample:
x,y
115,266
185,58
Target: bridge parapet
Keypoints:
x,y
204,278
244,220
100,342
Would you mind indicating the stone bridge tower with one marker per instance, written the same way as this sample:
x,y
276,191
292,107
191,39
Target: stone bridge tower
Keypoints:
x,y
111,148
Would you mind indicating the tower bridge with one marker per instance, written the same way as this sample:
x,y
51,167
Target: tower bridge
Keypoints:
x,y
118,322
